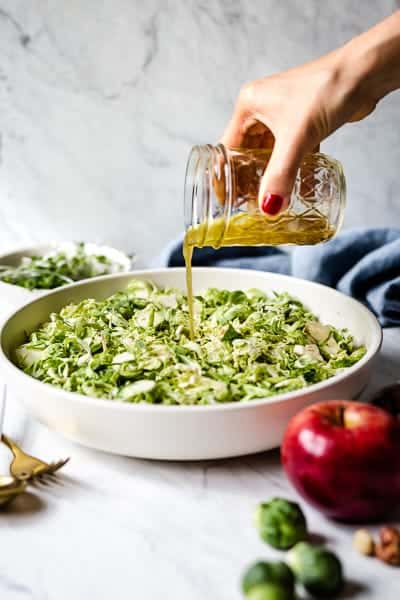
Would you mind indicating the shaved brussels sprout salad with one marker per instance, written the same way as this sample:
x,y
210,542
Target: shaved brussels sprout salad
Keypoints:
x,y
135,347
57,268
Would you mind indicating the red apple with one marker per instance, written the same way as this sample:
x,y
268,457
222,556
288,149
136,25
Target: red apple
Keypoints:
x,y
344,458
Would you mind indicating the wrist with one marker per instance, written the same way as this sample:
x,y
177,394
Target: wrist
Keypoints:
x,y
372,60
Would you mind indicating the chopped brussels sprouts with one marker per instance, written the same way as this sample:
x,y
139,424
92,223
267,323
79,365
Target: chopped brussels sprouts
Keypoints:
x,y
135,347
58,268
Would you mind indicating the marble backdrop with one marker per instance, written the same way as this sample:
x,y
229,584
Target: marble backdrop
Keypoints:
x,y
100,102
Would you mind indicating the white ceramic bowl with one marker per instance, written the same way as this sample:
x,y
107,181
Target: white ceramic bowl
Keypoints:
x,y
185,432
12,296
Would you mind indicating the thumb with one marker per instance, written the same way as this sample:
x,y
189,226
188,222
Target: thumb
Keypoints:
x,y
279,176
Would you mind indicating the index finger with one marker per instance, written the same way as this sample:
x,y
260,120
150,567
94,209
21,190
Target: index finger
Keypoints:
x,y
234,133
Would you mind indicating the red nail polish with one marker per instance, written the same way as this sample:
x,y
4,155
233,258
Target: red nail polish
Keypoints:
x,y
272,204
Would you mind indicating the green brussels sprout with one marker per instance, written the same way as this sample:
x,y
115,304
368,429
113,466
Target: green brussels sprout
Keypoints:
x,y
270,591
317,569
276,573
281,523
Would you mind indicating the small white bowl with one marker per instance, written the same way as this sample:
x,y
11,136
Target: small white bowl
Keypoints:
x,y
13,296
185,432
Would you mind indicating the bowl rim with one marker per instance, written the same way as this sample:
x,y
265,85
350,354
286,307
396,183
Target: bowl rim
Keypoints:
x,y
76,397
43,248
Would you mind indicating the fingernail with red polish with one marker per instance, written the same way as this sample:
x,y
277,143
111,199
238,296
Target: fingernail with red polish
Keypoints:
x,y
272,204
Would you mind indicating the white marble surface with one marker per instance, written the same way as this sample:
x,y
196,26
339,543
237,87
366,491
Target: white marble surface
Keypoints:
x,y
100,102
115,527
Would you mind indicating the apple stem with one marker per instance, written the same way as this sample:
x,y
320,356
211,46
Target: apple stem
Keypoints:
x,y
341,416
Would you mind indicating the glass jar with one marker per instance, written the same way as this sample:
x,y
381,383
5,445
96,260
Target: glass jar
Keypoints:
x,y
221,199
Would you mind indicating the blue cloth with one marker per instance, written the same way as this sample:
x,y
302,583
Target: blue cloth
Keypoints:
x,y
363,263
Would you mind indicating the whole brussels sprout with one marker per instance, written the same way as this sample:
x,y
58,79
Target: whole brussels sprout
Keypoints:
x,y
274,573
269,591
281,523
317,569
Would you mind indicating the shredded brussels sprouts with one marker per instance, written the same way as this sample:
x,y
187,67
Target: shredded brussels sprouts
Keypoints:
x,y
134,346
58,268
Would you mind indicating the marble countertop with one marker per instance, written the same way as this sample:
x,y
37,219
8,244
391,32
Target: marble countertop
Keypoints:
x,y
115,527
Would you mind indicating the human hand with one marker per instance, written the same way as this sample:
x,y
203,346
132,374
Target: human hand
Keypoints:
x,y
292,112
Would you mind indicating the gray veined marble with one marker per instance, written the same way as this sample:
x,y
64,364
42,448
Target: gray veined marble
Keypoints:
x,y
100,103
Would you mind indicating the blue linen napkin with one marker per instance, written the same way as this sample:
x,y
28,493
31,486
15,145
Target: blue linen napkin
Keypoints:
x,y
363,263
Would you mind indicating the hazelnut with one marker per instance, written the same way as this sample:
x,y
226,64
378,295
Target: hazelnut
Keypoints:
x,y
363,542
388,547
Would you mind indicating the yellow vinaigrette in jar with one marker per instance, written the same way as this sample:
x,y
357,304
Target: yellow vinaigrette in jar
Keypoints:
x,y
221,203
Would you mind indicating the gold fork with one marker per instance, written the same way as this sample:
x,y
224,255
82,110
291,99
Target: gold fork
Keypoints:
x,y
24,466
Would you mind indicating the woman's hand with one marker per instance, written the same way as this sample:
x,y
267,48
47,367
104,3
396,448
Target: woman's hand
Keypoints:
x,y
292,112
